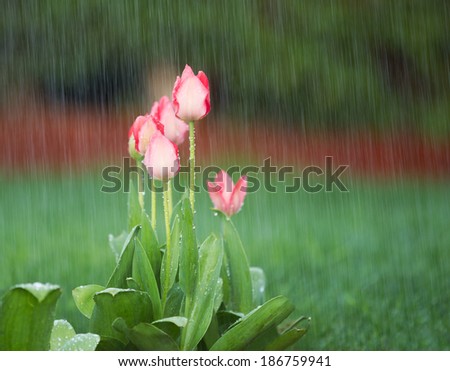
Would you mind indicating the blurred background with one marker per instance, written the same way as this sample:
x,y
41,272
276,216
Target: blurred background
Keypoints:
x,y
367,82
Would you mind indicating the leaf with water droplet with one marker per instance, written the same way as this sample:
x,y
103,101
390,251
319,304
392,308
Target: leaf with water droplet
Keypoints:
x,y
257,322
64,338
237,283
202,305
124,266
84,298
27,312
188,269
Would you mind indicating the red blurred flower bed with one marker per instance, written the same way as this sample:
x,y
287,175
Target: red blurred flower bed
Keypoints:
x,y
53,138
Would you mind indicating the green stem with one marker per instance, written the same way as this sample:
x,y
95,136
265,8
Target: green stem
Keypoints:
x,y
169,190
141,185
192,163
167,217
153,212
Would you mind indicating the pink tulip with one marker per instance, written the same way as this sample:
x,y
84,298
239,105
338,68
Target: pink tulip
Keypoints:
x,y
141,131
174,129
227,197
190,95
161,158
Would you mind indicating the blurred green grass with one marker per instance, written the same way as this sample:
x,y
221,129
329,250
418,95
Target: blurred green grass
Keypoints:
x,y
369,266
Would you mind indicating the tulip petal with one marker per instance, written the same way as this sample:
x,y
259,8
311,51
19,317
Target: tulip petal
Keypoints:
x,y
174,128
187,72
145,134
216,196
203,78
237,198
161,158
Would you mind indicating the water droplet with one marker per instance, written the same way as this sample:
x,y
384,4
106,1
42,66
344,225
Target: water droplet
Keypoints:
x,y
216,213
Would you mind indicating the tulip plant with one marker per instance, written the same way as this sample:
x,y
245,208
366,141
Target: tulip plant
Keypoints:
x,y
168,293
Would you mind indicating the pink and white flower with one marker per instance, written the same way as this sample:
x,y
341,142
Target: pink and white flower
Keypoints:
x,y
190,95
161,158
175,129
141,132
227,197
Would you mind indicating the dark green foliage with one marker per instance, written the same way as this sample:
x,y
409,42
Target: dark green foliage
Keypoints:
x,y
315,63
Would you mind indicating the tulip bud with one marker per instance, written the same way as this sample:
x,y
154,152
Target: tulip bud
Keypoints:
x,y
140,133
227,197
190,95
161,158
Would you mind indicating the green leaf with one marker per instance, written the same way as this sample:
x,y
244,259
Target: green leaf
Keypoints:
x,y
237,283
202,306
188,254
134,208
64,338
171,325
145,278
254,323
174,301
27,313
84,298
146,336
62,332
132,284
124,266
150,243
287,339
177,209
116,243
226,319
258,285
133,306
218,295
176,320
169,267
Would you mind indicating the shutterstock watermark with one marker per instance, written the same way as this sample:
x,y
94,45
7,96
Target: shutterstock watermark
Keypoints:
x,y
311,179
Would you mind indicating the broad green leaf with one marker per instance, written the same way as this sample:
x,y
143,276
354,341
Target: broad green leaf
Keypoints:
x,y
188,254
169,267
124,266
202,306
82,342
64,338
134,207
150,243
133,306
254,323
237,283
62,332
116,243
27,313
258,285
146,336
171,325
174,301
84,298
145,278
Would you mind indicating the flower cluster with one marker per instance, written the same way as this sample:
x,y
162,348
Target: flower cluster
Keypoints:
x,y
154,138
